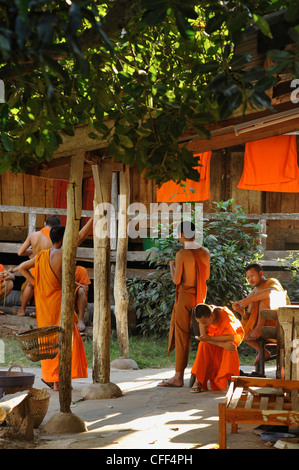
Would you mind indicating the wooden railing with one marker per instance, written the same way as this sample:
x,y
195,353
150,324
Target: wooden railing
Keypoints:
x,y
87,253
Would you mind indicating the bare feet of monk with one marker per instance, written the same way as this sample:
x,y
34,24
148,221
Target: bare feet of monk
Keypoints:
x,y
81,326
56,386
196,388
168,383
21,312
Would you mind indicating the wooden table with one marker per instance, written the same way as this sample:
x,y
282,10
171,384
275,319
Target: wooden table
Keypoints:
x,y
288,319
258,401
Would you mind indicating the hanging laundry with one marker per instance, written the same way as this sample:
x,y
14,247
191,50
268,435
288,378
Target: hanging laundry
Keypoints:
x,y
271,165
189,191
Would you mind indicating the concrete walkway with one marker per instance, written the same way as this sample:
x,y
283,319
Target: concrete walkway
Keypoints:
x,y
146,416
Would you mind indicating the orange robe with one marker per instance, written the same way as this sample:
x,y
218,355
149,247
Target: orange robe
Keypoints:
x,y
250,323
191,289
47,292
45,231
271,165
1,271
214,363
81,276
190,190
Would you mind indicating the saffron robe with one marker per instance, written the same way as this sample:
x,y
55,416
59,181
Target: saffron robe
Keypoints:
x,y
1,271
191,289
190,190
250,323
46,232
213,363
47,293
271,165
81,276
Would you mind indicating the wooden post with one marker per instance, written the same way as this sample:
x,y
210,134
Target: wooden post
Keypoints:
x,y
70,242
120,287
101,386
102,316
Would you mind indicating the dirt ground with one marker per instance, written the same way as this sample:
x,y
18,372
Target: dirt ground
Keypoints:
x,y
145,418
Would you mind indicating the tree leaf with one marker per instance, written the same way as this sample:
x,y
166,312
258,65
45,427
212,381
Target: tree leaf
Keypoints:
x,y
7,144
263,25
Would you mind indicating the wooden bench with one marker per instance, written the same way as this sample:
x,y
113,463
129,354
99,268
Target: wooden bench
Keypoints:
x,y
259,401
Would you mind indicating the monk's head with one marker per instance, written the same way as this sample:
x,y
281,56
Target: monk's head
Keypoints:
x,y
204,314
52,220
254,274
56,234
186,231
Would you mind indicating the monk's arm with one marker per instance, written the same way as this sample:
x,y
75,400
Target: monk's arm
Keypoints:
x,y
256,297
206,259
176,269
223,341
24,248
24,269
85,231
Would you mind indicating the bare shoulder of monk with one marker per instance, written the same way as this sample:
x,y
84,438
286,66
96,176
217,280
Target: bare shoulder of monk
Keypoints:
x,y
39,242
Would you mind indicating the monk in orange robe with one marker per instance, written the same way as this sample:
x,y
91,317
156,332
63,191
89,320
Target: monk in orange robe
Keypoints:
x,y
6,283
217,358
34,243
189,272
266,294
48,292
81,298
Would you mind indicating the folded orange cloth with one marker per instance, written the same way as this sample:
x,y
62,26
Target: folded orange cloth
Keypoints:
x,y
271,165
190,190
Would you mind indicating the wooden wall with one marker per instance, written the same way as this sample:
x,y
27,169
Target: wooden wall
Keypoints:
x,y
225,173
22,190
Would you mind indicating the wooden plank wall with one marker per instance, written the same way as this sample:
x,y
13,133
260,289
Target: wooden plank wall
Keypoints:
x,y
22,190
225,172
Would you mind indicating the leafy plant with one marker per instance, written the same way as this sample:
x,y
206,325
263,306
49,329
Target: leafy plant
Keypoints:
x,y
232,241
292,285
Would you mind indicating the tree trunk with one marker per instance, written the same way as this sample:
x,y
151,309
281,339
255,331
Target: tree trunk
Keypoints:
x,y
102,316
70,242
120,286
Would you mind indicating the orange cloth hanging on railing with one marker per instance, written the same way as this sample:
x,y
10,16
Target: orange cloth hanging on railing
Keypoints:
x,y
271,165
173,192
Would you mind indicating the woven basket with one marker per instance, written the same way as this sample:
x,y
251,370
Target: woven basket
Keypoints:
x,y
40,343
38,405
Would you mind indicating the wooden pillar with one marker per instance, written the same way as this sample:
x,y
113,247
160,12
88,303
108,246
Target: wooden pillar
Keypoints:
x,y
70,242
102,176
120,286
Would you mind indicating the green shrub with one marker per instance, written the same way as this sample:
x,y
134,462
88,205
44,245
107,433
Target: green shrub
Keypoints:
x,y
292,285
232,241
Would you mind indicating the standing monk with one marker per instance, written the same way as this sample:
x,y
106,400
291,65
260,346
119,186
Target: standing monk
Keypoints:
x,y
266,294
47,293
217,358
189,272
36,242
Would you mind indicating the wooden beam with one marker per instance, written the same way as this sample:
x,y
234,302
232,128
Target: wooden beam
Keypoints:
x,y
228,138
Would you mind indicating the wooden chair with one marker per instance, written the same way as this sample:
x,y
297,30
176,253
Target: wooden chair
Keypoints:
x,y
258,401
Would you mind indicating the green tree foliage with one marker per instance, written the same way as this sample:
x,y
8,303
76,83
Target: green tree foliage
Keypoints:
x,y
156,68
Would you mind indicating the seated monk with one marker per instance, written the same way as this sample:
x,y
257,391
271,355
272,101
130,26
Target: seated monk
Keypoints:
x,y
266,294
82,282
6,283
217,358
